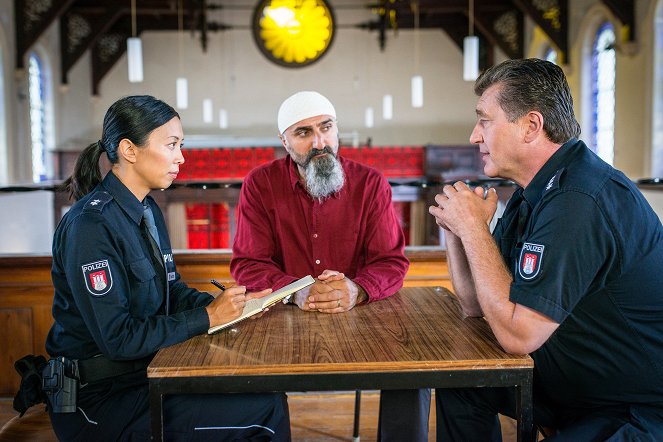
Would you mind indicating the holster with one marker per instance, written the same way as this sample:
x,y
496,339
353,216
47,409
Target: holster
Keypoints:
x,y
60,384
56,381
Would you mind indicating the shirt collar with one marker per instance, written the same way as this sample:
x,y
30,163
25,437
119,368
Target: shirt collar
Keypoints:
x,y
550,172
293,171
126,200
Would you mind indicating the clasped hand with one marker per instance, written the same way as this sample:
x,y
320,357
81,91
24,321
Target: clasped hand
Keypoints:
x,y
331,293
462,210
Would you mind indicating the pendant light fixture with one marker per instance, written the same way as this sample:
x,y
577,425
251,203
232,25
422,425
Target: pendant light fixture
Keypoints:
x,y
208,110
417,83
223,71
134,50
223,119
368,117
387,107
471,50
181,84
182,91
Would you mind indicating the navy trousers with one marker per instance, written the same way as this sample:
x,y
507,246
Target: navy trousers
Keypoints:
x,y
470,414
404,415
120,412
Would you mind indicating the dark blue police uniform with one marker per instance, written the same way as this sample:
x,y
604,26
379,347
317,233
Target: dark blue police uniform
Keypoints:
x,y
115,302
585,249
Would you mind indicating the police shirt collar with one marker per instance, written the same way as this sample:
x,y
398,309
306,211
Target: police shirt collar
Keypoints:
x,y
126,200
549,172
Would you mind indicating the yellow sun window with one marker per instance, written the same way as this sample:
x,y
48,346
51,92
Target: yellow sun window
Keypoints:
x,y
293,33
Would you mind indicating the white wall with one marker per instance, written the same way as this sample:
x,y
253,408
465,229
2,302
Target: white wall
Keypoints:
x,y
354,75
655,199
28,226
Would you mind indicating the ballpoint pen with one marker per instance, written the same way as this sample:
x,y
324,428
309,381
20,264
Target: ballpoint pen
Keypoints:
x,y
217,284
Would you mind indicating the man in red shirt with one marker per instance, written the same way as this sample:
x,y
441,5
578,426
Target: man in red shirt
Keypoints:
x,y
314,212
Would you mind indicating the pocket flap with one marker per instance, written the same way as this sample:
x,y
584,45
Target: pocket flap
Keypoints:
x,y
142,270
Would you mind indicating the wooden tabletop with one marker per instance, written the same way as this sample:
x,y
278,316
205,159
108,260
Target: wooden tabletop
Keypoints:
x,y
417,329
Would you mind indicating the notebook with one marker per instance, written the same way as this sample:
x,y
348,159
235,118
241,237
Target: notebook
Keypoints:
x,y
255,306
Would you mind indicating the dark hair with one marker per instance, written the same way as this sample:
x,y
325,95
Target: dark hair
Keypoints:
x,y
533,84
133,118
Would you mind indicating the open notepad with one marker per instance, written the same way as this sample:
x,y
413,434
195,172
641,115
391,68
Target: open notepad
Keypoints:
x,y
255,306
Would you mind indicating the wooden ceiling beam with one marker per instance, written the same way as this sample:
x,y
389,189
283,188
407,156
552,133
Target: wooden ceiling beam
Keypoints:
x,y
553,19
504,29
79,32
624,10
32,18
108,49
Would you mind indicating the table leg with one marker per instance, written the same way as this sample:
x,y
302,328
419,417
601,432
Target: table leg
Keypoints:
x,y
156,412
525,410
355,429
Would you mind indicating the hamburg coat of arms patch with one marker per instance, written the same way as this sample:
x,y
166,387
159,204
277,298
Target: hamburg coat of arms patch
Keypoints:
x,y
98,278
529,263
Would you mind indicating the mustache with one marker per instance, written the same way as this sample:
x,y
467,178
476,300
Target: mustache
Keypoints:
x,y
314,152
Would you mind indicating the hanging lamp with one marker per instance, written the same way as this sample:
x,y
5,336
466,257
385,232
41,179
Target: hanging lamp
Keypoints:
x,y
471,50
208,110
181,83
368,117
387,107
134,50
417,82
223,119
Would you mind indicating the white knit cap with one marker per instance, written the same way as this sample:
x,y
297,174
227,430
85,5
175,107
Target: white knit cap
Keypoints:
x,y
303,105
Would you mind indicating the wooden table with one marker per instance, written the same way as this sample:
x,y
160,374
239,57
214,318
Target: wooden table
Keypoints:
x,y
417,338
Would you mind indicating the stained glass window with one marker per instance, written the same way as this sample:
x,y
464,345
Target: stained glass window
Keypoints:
x,y
603,93
3,124
37,118
293,33
657,123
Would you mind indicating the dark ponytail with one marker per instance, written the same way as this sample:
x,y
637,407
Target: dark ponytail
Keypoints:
x,y
86,173
133,118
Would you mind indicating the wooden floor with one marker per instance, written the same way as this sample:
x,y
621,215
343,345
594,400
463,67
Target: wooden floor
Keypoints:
x,y
317,417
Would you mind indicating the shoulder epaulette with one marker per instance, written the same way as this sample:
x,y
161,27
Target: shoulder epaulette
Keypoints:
x,y
97,201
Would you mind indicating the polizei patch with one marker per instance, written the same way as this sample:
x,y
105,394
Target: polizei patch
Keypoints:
x,y
529,263
98,278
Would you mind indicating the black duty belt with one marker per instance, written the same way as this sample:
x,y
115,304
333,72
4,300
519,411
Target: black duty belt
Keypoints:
x,y
100,367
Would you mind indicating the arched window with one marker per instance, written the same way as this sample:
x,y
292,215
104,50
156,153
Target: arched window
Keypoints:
x,y
603,93
36,88
657,123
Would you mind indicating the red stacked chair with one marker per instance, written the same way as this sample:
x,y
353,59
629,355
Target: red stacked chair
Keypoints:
x,y
197,225
219,226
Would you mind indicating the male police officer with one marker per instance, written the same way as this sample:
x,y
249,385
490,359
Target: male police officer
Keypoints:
x,y
571,275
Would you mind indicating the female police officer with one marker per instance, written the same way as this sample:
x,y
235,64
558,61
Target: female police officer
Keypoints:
x,y
119,299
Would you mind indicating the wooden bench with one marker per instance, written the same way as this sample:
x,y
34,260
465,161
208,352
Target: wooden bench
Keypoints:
x,y
34,426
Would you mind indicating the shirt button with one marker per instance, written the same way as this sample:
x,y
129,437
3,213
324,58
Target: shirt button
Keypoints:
x,y
317,261
315,235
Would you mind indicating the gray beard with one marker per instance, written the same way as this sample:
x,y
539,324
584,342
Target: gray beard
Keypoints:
x,y
324,176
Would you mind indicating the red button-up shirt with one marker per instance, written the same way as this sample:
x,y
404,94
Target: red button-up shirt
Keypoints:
x,y
284,234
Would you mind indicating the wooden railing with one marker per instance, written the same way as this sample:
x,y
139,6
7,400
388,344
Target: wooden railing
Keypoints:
x,y
26,295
